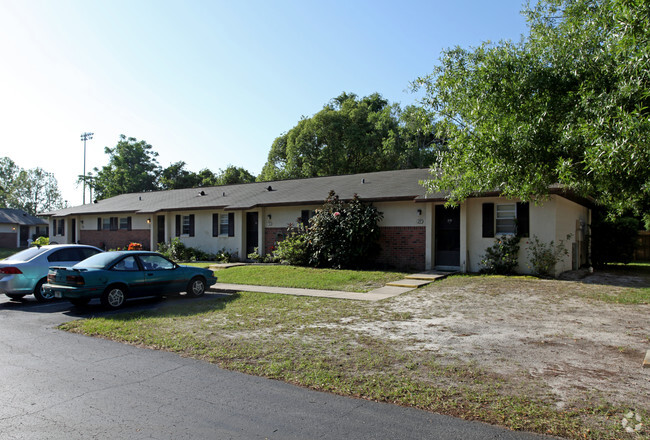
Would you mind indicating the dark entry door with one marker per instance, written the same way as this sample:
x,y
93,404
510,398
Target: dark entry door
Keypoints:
x,y
252,239
447,236
24,235
160,229
73,231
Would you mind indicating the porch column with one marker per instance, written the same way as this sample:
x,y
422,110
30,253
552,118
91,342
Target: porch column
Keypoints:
x,y
463,237
429,232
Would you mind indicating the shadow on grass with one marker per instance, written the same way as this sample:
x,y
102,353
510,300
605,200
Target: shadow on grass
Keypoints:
x,y
173,309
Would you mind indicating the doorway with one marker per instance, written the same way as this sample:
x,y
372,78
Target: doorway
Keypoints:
x,y
252,235
160,229
447,240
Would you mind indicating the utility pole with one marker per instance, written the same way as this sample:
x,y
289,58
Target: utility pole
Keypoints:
x,y
85,137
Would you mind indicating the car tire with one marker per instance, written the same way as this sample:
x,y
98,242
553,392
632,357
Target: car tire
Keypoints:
x,y
79,301
40,294
15,296
196,287
113,297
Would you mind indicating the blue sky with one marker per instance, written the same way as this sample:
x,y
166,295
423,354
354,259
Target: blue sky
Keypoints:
x,y
211,83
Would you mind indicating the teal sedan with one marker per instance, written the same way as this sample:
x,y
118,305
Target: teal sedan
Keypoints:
x,y
113,277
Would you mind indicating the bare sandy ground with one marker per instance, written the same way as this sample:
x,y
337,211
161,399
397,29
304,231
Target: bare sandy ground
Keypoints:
x,y
552,331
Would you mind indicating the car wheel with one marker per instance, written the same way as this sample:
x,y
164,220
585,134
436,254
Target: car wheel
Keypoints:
x,y
79,301
114,297
40,294
15,296
196,287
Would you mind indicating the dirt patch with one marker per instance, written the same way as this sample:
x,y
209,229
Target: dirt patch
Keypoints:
x,y
553,331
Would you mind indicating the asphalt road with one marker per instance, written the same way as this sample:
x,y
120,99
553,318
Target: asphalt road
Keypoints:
x,y
56,385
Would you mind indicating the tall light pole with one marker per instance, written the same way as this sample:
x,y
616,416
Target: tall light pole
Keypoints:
x,y
85,137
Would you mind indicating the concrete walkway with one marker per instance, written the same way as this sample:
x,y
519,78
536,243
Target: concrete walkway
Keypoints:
x,y
390,290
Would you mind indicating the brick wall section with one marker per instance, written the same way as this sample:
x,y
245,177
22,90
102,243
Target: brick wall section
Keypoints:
x,y
402,247
271,237
115,239
8,240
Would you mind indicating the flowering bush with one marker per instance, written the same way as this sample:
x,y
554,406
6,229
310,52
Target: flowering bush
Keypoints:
x,y
343,235
544,257
502,257
134,247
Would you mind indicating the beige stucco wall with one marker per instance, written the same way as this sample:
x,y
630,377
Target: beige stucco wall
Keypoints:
x,y
550,220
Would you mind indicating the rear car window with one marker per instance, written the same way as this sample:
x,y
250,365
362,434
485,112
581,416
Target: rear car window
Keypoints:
x,y
27,254
97,261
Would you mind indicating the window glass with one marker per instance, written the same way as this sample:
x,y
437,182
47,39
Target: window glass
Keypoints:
x,y
186,225
68,254
155,262
124,223
106,223
506,218
88,252
27,254
127,264
223,225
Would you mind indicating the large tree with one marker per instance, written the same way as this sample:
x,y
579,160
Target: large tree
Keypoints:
x,y
34,190
567,104
132,167
353,135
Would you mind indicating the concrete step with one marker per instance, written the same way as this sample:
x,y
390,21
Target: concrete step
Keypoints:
x,y
409,283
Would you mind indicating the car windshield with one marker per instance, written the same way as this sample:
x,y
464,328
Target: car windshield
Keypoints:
x,y
27,254
97,261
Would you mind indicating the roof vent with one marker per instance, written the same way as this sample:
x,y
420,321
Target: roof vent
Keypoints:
x,y
269,188
363,181
139,198
223,194
94,201
202,193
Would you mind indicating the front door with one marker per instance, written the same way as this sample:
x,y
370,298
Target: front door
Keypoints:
x,y
447,236
73,231
161,229
24,235
252,239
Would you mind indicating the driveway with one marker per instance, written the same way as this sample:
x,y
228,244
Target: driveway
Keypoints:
x,y
58,385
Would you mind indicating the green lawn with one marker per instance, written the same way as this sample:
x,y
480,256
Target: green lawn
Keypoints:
x,y
4,252
306,277
320,343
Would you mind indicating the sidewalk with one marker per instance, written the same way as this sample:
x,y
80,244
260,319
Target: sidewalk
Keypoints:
x,y
388,291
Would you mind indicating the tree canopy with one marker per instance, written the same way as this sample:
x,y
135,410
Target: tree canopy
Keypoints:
x,y
567,104
132,167
34,190
353,135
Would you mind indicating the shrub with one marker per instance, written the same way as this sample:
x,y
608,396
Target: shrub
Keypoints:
x,y
613,241
294,249
544,257
502,257
176,250
41,241
224,256
343,235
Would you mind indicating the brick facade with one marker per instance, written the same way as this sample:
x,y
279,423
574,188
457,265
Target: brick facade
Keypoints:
x,y
8,240
116,239
271,237
402,247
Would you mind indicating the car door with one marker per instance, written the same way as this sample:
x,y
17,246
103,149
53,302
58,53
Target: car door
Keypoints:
x,y
160,275
129,272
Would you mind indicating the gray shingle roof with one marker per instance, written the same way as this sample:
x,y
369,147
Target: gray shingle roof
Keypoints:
x,y
20,217
377,186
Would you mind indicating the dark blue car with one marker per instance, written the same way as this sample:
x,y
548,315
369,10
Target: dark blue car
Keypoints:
x,y
113,277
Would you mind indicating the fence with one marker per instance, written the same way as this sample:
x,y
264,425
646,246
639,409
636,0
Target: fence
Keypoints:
x,y
642,252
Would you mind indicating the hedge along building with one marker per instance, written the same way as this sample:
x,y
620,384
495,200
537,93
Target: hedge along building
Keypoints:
x,y
417,232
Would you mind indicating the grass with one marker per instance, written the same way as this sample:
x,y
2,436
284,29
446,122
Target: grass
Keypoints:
x,y
5,252
306,277
312,342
